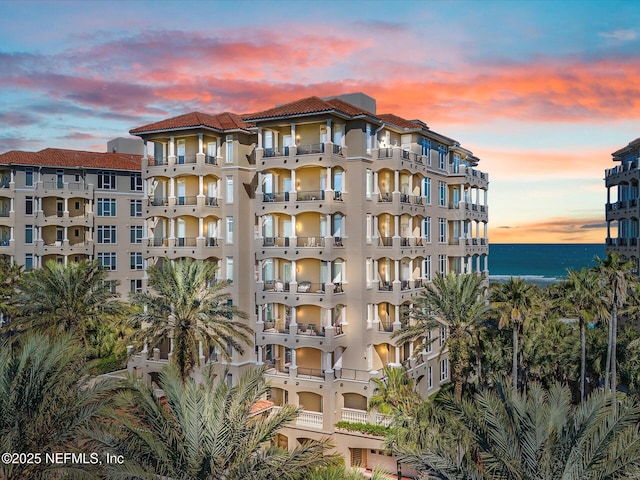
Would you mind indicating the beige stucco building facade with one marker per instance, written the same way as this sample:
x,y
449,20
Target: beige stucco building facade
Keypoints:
x,y
69,205
329,219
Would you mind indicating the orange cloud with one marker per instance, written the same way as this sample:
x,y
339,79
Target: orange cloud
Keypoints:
x,y
552,230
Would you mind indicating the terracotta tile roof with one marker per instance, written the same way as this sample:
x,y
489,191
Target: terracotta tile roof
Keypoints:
x,y
400,122
57,157
222,121
306,106
260,406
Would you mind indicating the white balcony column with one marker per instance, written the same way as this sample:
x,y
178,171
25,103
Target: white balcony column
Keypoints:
x,y
293,357
11,176
396,226
396,181
486,263
326,320
327,362
410,349
293,181
172,146
89,212
396,319
294,233
201,185
172,188
376,189
477,196
172,228
396,271
259,138
201,227
376,313
397,352
294,140
66,207
259,362
484,224
200,144
146,149
486,194
376,272
260,266
293,324
478,263
91,233
294,274
65,238
329,187
369,315
329,136
260,190
260,314
11,234
477,230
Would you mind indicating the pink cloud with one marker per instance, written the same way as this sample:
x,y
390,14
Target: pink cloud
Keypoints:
x,y
552,230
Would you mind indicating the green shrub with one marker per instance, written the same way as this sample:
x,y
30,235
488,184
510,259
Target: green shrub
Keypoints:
x,y
368,428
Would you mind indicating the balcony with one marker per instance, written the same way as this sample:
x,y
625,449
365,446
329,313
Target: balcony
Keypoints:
x,y
310,242
186,159
310,149
190,200
158,242
311,374
158,202
310,196
186,242
309,287
275,241
310,419
354,416
352,374
275,197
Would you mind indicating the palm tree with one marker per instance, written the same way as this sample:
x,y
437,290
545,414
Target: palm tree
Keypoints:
x,y
581,295
47,402
513,300
615,273
208,431
457,302
395,392
537,434
190,309
68,298
340,472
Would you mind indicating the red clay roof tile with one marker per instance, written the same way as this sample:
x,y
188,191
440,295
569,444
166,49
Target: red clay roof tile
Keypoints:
x,y
57,157
222,121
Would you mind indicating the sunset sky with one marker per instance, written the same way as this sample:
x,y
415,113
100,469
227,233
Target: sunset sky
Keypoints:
x,y
541,91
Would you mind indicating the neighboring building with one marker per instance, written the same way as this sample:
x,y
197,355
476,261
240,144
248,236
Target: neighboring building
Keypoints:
x,y
622,212
329,219
69,205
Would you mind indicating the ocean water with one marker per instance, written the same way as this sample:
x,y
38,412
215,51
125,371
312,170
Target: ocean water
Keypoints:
x,y
540,263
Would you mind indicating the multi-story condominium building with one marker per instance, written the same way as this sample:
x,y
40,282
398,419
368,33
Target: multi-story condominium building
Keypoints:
x,y
329,219
622,211
68,205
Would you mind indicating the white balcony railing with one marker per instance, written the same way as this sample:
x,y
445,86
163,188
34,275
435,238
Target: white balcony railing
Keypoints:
x,y
353,415
310,419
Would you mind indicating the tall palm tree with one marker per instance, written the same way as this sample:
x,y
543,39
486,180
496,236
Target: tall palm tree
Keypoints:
x,y
67,298
615,273
395,392
187,307
513,300
536,434
457,302
47,402
207,431
581,295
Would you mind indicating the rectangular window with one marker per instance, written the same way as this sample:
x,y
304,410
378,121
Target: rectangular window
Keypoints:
x,y
430,377
107,180
427,229
427,190
229,269
28,262
444,369
136,286
135,232
106,234
136,182
28,177
28,234
442,157
181,152
443,335
135,260
59,178
442,194
229,229
427,268
106,207
429,343
28,206
212,152
442,230
135,208
107,260
229,143
228,192
442,264
369,183
111,286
